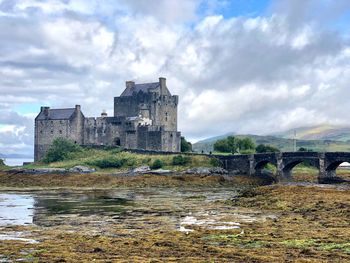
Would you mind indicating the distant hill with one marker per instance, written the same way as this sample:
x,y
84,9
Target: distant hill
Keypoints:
x,y
15,155
284,144
321,132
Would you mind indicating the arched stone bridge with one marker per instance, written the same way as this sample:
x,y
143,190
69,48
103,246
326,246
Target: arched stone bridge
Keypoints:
x,y
327,163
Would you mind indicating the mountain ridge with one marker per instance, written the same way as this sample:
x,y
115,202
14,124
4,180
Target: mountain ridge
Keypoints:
x,y
316,138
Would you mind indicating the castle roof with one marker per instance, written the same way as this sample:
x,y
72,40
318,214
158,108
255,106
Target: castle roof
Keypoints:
x,y
56,114
136,88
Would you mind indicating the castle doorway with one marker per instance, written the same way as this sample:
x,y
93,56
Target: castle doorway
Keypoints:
x,y
117,141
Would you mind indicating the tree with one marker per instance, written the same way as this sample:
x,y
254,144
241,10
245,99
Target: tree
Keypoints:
x,y
222,146
234,145
302,149
185,145
2,162
60,150
245,144
262,148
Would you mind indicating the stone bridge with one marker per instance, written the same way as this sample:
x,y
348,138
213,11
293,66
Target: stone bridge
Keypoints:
x,y
326,163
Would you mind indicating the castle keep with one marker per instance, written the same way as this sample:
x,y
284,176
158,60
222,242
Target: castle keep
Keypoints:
x,y
145,117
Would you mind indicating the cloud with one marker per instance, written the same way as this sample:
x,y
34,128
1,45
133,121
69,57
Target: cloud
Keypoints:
x,y
245,74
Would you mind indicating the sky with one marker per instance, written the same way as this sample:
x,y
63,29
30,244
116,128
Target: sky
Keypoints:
x,y
244,66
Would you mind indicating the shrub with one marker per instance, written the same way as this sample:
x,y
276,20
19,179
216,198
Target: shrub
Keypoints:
x,y
60,150
2,162
262,148
181,160
157,164
186,146
215,162
109,162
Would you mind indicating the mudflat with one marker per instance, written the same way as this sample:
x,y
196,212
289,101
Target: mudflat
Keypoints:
x,y
172,219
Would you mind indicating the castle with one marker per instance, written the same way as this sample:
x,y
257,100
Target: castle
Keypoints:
x,y
145,117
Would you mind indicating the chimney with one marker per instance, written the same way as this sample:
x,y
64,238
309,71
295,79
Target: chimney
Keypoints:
x,y
162,82
104,114
45,110
77,108
130,84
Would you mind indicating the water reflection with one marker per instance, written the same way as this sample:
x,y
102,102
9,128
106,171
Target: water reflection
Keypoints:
x,y
130,209
16,209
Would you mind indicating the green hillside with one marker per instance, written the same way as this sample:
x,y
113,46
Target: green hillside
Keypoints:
x,y
283,144
321,132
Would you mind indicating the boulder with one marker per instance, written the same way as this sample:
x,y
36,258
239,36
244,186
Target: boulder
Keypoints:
x,y
140,170
218,170
160,172
81,169
45,170
206,170
198,170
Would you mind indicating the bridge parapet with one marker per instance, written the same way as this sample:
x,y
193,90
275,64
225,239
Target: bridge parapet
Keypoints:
x,y
327,163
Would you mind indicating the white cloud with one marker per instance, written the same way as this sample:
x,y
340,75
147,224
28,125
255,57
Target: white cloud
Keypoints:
x,y
256,75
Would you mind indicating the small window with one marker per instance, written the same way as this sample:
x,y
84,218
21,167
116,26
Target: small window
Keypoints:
x,y
166,118
41,132
60,131
51,132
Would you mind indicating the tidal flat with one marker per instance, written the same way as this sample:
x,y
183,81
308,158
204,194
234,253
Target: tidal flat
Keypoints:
x,y
195,219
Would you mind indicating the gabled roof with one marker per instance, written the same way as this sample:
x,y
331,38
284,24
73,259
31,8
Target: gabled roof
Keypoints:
x,y
57,114
145,87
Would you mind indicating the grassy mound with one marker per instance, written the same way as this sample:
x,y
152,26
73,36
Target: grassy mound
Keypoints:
x,y
115,159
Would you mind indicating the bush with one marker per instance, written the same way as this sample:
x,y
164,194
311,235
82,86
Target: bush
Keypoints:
x,y
2,162
157,164
185,145
215,162
181,160
262,148
110,162
60,150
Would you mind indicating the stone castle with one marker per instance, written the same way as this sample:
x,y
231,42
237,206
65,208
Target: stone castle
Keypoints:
x,y
145,117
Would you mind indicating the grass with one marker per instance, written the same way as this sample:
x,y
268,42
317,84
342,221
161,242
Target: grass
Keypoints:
x,y
93,158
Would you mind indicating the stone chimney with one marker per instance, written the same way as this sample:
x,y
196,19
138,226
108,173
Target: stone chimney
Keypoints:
x,y
162,82
130,84
77,108
104,114
45,110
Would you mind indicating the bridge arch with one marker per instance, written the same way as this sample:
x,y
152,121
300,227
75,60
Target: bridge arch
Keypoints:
x,y
260,165
289,165
332,167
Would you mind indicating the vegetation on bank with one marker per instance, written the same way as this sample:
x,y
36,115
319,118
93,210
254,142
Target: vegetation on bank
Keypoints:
x,y
233,145
65,154
186,146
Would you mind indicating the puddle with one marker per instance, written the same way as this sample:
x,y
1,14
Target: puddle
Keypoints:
x,y
125,209
16,209
18,236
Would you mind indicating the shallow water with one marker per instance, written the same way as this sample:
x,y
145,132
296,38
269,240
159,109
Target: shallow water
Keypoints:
x,y
126,209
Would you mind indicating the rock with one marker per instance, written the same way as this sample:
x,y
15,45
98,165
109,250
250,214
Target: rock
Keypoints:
x,y
160,172
140,170
81,169
45,170
206,170
218,170
198,170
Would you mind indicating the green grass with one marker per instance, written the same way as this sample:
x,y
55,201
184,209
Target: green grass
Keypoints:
x,y
93,157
